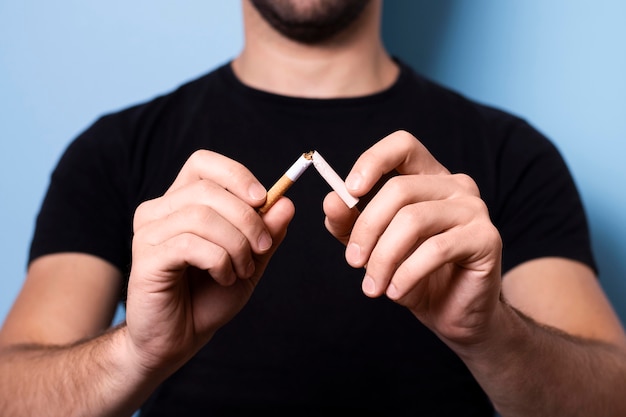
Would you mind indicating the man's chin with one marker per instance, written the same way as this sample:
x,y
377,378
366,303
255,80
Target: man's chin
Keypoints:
x,y
316,23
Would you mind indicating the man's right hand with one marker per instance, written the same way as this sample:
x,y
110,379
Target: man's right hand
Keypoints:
x,y
198,253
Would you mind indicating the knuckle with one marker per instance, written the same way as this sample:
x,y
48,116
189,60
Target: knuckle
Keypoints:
x,y
143,206
222,260
197,157
404,137
410,215
181,245
141,215
405,142
493,235
441,245
138,217
205,186
477,205
395,185
466,184
198,215
248,215
219,267
487,233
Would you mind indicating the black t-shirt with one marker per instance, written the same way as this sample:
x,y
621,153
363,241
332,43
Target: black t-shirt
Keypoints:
x,y
309,341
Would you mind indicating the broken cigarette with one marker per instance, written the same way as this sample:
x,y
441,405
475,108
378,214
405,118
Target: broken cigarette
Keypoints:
x,y
282,185
333,179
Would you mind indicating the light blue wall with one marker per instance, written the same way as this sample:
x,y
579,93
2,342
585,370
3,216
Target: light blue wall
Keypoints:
x,y
558,63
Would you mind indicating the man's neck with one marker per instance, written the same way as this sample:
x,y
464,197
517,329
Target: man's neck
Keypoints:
x,y
352,64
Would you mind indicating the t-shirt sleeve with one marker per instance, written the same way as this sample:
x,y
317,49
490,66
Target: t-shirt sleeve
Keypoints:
x,y
540,212
85,208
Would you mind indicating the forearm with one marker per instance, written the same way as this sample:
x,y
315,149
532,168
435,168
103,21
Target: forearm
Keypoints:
x,y
533,370
93,377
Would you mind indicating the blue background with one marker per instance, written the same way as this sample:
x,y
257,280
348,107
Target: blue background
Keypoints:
x,y
560,64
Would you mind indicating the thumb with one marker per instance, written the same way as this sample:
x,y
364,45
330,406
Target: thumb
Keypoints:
x,y
339,218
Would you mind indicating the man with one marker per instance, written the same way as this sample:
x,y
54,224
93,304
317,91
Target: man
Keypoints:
x,y
166,194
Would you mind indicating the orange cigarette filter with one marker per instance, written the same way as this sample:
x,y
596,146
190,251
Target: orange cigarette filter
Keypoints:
x,y
282,185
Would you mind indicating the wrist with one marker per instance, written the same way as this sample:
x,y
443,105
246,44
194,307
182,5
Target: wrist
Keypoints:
x,y
132,378
505,333
154,359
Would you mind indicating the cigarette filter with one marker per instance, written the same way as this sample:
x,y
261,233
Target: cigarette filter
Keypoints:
x,y
333,179
282,185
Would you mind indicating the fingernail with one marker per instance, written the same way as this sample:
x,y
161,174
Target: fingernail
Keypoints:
x,y
354,181
368,285
353,253
392,292
265,241
257,191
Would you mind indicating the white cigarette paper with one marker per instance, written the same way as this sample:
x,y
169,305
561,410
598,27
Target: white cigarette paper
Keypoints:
x,y
282,185
333,179
298,167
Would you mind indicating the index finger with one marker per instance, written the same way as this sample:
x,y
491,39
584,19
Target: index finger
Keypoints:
x,y
227,173
398,151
